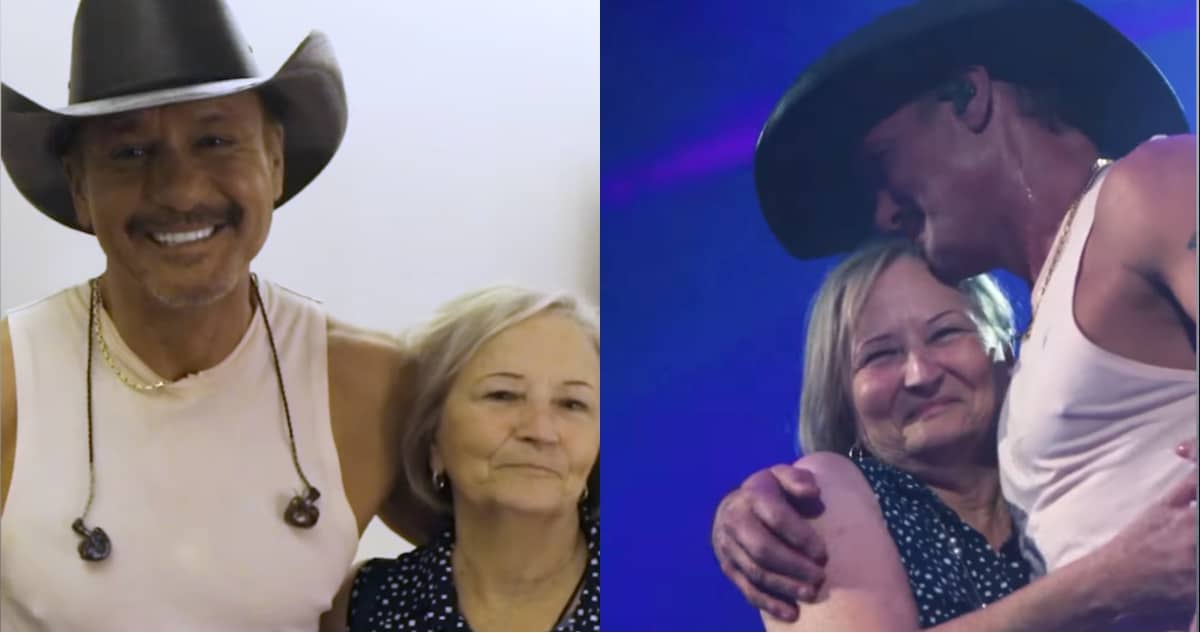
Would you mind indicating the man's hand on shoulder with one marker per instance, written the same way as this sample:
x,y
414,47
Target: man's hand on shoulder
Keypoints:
x,y
371,374
765,545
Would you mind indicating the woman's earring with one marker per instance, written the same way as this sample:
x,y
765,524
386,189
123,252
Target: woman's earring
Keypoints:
x,y
856,451
584,497
439,481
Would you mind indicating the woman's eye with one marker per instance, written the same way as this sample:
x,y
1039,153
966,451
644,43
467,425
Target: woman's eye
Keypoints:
x,y
878,356
946,332
502,395
572,404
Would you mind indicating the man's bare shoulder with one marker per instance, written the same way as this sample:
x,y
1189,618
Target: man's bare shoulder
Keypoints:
x,y
1148,201
1159,168
371,376
356,351
1177,147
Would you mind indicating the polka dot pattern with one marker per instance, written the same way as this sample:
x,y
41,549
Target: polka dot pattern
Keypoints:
x,y
931,539
415,591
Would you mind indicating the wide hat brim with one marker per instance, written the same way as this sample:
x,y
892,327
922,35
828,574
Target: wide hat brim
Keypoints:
x,y
308,87
804,162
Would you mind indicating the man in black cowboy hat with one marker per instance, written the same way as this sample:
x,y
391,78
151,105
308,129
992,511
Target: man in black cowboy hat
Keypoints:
x,y
983,130
195,447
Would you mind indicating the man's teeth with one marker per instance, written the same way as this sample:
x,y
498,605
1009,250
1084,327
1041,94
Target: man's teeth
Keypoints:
x,y
173,239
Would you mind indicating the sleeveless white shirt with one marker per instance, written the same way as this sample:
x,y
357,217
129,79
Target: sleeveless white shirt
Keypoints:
x,y
191,481
1086,437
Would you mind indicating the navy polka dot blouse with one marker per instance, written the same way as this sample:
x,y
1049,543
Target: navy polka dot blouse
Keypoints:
x,y
415,591
951,568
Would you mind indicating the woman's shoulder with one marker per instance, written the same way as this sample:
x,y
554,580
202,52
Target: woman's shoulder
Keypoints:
x,y
866,585
422,567
847,497
391,588
419,560
834,471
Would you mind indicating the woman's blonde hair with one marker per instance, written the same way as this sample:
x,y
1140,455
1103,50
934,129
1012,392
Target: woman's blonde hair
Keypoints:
x,y
442,348
827,420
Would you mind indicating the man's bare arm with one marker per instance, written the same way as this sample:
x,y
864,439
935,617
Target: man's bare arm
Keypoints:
x,y
371,387
336,618
408,517
8,412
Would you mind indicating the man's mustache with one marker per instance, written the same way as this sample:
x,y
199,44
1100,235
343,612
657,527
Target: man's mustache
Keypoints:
x,y
164,219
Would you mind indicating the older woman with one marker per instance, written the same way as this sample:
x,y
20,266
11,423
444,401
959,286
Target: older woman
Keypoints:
x,y
506,443
905,376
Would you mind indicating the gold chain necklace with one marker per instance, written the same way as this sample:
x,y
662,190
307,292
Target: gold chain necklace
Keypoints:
x,y
301,511
97,305
1060,240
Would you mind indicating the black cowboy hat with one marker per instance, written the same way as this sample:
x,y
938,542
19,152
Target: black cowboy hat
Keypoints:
x,y
803,163
134,54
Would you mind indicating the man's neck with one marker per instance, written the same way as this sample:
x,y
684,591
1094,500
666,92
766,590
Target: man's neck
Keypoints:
x,y
505,558
177,341
1047,173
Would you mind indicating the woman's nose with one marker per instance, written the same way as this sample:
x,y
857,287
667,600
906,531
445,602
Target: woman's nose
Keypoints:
x,y
537,424
921,373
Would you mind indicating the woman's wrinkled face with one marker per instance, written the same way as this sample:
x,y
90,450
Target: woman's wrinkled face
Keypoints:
x,y
922,384
520,429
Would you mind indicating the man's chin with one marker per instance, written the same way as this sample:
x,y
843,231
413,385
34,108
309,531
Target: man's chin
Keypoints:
x,y
185,295
952,268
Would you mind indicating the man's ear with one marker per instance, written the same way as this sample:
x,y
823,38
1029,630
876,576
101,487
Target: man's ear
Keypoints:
x,y
273,138
971,95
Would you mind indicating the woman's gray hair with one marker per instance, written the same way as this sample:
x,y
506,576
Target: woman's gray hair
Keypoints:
x,y
443,347
827,420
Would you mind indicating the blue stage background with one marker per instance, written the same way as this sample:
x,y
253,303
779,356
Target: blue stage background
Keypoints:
x,y
703,311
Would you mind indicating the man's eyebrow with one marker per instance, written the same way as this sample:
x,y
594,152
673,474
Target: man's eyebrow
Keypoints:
x,y
212,116
120,123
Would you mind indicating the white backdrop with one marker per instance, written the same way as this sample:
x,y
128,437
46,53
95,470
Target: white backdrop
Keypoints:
x,y
472,157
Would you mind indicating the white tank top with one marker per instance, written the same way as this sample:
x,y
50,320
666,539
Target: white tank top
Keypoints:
x,y
1086,437
191,482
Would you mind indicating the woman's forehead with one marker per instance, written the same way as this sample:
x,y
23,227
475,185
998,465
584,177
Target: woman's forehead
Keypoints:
x,y
542,342
907,291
